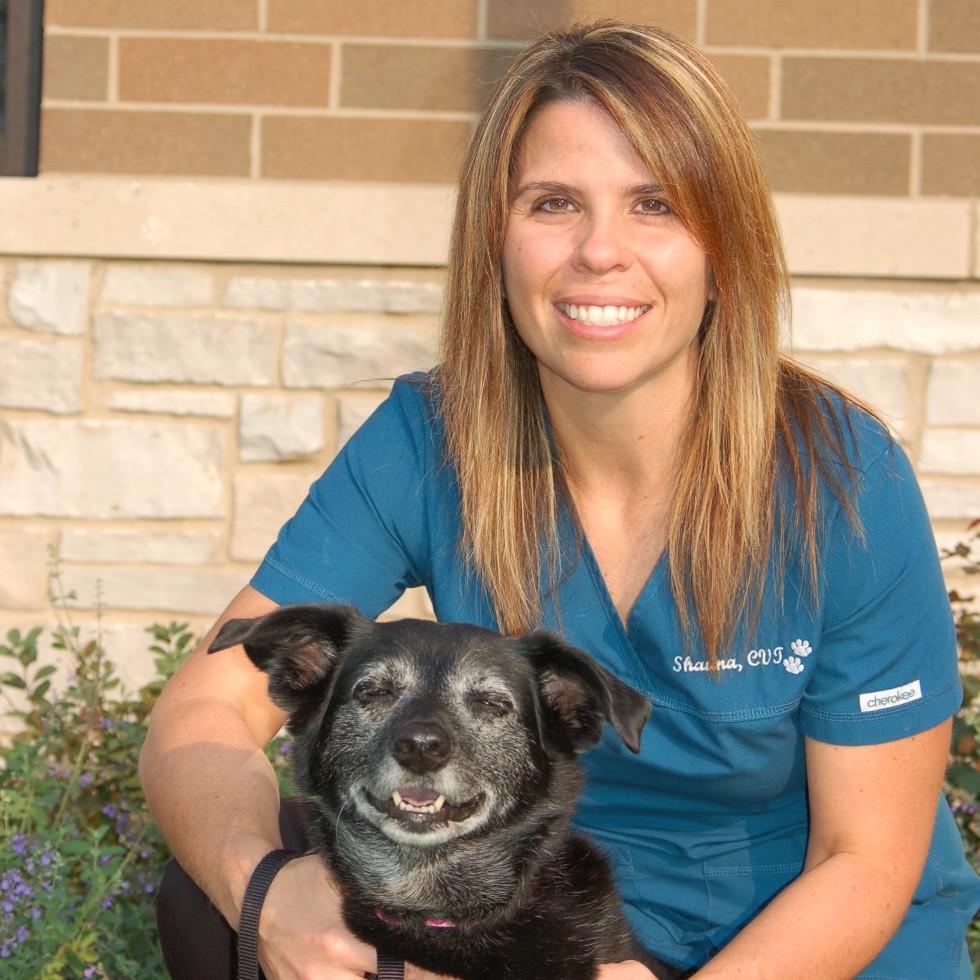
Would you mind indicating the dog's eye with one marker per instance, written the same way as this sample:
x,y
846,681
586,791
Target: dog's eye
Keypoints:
x,y
494,705
370,692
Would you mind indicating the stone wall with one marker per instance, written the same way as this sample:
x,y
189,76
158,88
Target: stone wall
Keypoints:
x,y
160,421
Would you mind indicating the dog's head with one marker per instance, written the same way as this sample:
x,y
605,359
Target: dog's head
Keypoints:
x,y
431,731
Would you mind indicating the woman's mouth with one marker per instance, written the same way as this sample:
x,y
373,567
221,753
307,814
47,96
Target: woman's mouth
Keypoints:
x,y
601,316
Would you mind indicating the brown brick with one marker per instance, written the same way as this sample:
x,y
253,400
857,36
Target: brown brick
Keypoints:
x,y
120,142
875,24
410,150
954,25
449,79
379,18
951,164
750,79
213,15
224,72
836,163
526,19
76,68
882,90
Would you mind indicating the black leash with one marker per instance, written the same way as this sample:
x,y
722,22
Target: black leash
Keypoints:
x,y
248,926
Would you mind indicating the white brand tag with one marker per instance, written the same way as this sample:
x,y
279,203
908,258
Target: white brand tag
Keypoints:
x,y
878,700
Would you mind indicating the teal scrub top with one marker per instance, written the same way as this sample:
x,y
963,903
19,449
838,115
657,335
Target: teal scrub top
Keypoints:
x,y
710,820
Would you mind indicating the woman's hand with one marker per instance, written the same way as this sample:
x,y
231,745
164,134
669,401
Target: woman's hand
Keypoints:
x,y
302,933
628,970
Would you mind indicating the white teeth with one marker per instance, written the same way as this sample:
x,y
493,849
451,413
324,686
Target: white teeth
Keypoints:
x,y
434,807
602,316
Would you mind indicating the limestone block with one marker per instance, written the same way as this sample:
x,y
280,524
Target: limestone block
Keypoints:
x,y
110,469
951,499
120,546
881,382
24,568
177,590
43,376
352,413
341,354
263,502
210,404
953,392
953,451
273,428
329,295
927,322
135,284
184,348
50,296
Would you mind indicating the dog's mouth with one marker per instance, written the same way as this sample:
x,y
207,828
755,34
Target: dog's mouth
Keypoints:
x,y
421,808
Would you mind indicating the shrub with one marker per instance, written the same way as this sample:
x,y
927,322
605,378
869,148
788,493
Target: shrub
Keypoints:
x,y
963,774
81,857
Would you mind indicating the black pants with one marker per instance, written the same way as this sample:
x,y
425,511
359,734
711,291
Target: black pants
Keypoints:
x,y
197,942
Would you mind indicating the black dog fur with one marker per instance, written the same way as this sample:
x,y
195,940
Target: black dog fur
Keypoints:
x,y
441,764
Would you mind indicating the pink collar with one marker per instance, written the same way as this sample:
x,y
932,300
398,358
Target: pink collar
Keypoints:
x,y
431,923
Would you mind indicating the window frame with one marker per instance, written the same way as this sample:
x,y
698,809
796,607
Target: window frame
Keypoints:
x,y
20,137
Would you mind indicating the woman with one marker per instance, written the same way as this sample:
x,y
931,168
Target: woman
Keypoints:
x,y
613,446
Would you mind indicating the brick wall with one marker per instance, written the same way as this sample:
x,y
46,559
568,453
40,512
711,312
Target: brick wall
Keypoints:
x,y
240,222
877,97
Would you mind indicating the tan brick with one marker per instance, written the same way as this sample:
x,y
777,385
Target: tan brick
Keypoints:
x,y
750,78
951,164
381,18
362,149
954,25
218,15
876,24
389,76
520,19
882,90
120,142
836,163
76,68
224,72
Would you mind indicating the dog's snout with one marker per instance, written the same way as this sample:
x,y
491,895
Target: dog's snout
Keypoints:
x,y
422,746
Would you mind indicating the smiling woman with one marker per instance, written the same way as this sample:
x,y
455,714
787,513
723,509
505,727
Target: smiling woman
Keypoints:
x,y
615,447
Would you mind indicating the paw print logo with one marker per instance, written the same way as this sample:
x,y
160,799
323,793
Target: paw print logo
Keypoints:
x,y
801,648
794,665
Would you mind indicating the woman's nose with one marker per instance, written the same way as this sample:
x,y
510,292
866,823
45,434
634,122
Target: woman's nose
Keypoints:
x,y
603,244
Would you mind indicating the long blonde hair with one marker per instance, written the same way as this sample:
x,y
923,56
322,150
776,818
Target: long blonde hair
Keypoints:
x,y
753,406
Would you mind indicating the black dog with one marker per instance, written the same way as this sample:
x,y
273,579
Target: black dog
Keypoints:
x,y
440,762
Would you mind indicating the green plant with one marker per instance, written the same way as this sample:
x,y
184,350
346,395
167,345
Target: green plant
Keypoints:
x,y
963,774
81,856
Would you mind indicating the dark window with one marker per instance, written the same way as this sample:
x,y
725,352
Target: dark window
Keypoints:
x,y
20,85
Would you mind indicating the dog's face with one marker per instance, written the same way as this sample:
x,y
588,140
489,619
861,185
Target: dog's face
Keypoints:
x,y
429,731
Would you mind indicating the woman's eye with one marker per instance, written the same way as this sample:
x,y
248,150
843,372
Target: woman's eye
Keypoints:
x,y
556,205
653,205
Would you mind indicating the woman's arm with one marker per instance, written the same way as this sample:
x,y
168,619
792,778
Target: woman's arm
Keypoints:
x,y
872,813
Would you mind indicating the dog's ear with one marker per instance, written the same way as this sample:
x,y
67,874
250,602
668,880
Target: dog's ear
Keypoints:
x,y
581,694
297,646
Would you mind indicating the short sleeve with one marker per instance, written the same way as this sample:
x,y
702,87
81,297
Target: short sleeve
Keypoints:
x,y
887,661
360,536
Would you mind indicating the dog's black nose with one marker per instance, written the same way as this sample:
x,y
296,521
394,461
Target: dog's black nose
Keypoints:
x,y
421,746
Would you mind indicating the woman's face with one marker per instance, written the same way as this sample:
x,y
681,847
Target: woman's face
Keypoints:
x,y
604,284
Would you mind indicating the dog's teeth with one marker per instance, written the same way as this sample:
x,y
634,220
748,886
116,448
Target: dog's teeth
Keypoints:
x,y
402,804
